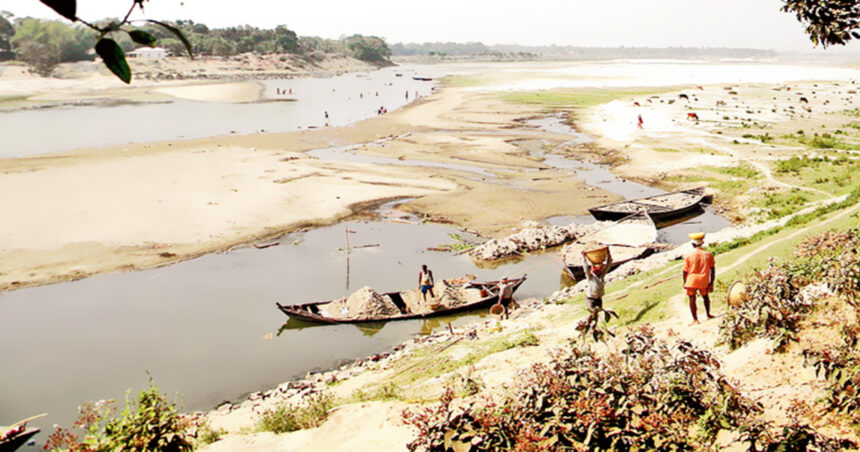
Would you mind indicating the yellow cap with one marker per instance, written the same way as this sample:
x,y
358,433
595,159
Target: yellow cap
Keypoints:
x,y
697,235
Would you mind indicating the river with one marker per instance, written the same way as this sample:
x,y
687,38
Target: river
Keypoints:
x,y
347,98
208,328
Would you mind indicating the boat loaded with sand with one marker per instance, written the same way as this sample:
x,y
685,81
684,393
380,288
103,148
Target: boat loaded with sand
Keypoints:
x,y
366,305
630,238
660,208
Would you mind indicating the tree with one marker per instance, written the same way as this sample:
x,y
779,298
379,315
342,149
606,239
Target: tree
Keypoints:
x,y
827,22
6,33
106,47
368,48
45,44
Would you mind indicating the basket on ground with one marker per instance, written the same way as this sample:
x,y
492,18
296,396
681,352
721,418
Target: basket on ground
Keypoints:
x,y
737,294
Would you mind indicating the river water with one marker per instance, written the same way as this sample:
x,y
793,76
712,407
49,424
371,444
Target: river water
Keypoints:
x,y
209,329
347,99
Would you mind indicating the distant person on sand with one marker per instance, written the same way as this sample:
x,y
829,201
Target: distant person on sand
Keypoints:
x,y
640,122
326,118
595,273
426,282
699,274
407,94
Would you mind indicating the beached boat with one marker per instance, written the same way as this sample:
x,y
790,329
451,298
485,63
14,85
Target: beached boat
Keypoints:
x,y
477,295
620,255
660,207
631,238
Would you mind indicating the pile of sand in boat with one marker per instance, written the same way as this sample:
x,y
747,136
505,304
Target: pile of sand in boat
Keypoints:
x,y
367,302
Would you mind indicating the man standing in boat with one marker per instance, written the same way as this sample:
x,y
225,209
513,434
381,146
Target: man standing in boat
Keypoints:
x,y
699,274
426,282
594,273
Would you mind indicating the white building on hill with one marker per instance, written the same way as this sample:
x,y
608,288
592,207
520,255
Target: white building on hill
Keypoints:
x,y
147,52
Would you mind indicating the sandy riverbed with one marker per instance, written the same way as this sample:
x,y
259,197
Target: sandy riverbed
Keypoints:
x,y
144,205
139,206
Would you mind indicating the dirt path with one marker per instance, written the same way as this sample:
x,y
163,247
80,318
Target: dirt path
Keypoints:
x,y
758,166
678,304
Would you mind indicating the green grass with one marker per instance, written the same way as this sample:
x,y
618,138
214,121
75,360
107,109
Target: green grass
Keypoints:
x,y
287,417
459,243
462,81
782,203
763,138
834,175
742,171
667,150
643,305
13,98
427,363
575,97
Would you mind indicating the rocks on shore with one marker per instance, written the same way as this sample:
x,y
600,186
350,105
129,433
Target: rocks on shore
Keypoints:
x,y
533,236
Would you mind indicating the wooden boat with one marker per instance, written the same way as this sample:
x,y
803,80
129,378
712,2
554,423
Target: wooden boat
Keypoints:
x,y
636,229
660,207
422,79
488,296
620,255
631,238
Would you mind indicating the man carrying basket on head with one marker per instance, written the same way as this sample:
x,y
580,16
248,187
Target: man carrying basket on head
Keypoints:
x,y
699,274
594,273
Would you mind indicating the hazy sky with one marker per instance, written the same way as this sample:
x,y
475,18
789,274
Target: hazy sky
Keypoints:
x,y
656,23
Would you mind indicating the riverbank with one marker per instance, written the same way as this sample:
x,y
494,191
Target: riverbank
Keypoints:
x,y
473,158
372,393
147,205
91,82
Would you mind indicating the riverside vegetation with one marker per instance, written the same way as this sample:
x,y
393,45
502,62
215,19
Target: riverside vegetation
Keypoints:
x,y
44,44
640,390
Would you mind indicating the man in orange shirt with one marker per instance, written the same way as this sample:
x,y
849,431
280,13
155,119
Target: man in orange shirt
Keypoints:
x,y
699,274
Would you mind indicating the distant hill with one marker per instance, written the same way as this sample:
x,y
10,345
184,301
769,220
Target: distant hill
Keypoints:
x,y
457,49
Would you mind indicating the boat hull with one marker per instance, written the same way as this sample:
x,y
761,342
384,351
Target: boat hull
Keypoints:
x,y
306,312
658,213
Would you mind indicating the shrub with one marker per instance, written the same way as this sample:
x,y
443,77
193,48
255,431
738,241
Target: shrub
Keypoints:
x,y
840,366
832,257
287,417
773,310
151,423
649,396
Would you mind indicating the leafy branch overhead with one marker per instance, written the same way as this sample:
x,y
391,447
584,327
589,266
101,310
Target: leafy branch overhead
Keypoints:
x,y
110,52
827,22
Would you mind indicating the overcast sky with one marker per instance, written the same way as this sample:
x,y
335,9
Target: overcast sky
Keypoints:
x,y
655,23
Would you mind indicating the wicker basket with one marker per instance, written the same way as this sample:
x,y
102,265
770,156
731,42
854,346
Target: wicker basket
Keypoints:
x,y
497,309
597,256
737,294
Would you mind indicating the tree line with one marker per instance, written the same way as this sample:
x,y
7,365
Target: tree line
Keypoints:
x,y
44,44
456,49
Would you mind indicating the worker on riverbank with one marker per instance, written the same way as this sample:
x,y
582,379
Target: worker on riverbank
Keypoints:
x,y
595,274
506,295
426,282
699,275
